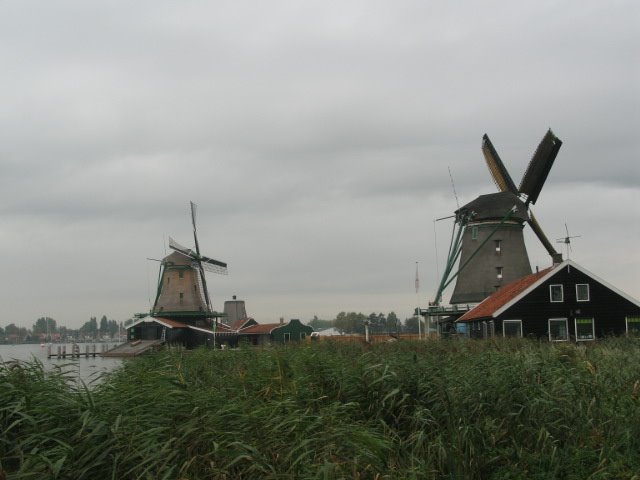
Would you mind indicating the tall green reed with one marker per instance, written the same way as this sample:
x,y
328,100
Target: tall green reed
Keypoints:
x,y
472,409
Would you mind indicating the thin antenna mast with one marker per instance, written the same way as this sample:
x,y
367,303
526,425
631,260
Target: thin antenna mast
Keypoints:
x,y
453,186
418,304
567,240
435,242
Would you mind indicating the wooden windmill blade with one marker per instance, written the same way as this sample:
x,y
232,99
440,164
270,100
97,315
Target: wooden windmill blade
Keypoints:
x,y
194,208
198,258
539,167
537,229
214,266
181,249
498,171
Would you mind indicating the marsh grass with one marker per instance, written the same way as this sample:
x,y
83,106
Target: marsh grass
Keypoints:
x,y
502,409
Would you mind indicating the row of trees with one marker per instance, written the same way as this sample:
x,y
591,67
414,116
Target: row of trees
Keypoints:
x,y
352,322
47,329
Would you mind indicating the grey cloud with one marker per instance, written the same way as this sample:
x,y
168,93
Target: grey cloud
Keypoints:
x,y
315,137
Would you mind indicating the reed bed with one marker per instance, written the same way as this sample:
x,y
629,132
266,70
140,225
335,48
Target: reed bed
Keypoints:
x,y
508,409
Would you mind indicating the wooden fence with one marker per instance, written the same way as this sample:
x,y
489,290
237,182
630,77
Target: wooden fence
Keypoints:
x,y
378,338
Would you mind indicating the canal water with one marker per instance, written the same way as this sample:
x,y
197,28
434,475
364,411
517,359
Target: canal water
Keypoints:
x,y
88,370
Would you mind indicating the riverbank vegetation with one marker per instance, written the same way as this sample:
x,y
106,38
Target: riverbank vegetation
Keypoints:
x,y
512,409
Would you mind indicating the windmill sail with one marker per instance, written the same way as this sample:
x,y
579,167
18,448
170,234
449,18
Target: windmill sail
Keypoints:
x,y
498,171
540,166
214,266
537,229
181,249
197,257
209,264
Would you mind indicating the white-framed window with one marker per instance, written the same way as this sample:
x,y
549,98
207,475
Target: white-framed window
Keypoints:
x,y
582,292
303,335
585,329
512,328
287,337
556,293
499,271
181,298
558,330
474,233
485,330
492,328
633,325
498,244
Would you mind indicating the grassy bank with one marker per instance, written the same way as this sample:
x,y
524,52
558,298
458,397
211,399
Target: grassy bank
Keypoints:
x,y
477,410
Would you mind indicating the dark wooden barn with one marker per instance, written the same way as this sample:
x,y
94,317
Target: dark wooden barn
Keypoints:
x,y
180,333
564,302
268,333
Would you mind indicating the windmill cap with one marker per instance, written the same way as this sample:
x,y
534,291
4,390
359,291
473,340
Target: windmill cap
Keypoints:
x,y
176,258
494,206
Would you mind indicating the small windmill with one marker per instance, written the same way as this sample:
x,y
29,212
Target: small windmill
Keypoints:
x,y
567,240
182,284
201,262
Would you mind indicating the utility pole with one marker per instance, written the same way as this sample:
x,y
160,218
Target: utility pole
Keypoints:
x,y
418,303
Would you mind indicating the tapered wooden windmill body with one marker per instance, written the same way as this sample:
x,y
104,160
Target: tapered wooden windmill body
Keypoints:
x,y
180,290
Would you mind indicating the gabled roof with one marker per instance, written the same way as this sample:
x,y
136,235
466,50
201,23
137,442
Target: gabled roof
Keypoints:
x,y
258,329
165,322
224,328
239,323
219,331
495,304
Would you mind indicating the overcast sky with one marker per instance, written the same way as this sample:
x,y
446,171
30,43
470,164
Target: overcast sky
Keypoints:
x,y
316,138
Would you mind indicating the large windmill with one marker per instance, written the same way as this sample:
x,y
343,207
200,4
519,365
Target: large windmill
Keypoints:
x,y
182,285
488,232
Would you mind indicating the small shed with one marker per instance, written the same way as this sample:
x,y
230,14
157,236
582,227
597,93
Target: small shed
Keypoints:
x,y
268,333
561,303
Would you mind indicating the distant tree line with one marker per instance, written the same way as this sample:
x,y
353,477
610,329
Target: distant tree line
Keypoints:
x,y
379,323
46,329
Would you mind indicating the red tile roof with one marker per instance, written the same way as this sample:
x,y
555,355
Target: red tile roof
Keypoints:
x,y
168,321
238,323
222,328
263,328
500,298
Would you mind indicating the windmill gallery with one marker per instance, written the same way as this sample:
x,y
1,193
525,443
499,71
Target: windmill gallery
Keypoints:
x,y
495,293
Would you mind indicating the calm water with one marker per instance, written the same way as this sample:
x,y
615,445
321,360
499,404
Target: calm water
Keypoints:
x,y
86,369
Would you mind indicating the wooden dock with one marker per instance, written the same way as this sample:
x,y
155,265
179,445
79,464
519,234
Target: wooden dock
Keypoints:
x,y
90,351
134,348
